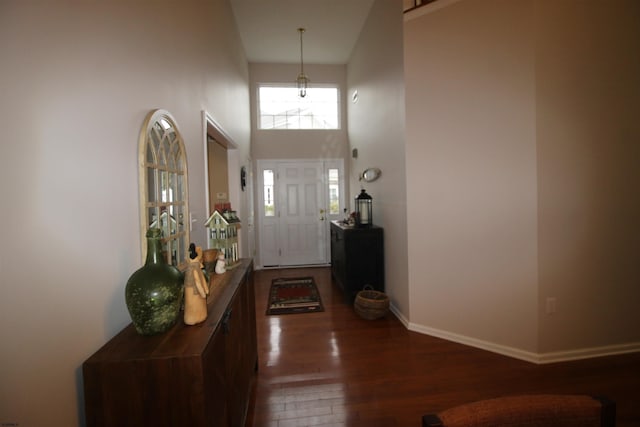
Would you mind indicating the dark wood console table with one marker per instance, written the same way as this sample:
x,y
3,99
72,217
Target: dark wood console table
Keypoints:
x,y
192,376
357,258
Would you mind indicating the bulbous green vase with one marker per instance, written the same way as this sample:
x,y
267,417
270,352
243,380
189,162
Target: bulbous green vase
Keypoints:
x,y
154,292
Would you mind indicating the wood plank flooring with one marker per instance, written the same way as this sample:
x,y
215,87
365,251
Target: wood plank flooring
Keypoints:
x,y
336,369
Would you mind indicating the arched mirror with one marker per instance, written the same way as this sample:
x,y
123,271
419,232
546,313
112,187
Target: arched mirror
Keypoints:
x,y
370,174
164,198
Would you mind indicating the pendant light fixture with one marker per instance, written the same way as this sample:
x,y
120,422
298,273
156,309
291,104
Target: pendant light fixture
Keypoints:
x,y
302,80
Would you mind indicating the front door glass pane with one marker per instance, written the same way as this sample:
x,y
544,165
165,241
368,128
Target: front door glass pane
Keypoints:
x,y
269,204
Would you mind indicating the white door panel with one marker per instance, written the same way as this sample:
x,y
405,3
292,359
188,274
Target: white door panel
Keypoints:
x,y
269,246
302,235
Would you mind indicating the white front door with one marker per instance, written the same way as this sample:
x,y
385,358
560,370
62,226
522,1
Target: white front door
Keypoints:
x,y
302,238
295,198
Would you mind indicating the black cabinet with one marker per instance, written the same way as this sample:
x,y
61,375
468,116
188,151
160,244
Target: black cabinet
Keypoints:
x,y
357,258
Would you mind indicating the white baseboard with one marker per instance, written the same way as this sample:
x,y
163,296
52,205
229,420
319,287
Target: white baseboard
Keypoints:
x,y
473,342
399,315
586,353
538,358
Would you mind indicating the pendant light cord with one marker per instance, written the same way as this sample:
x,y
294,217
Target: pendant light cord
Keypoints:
x,y
301,30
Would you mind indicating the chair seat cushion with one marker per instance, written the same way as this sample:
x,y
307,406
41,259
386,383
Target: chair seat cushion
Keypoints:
x,y
526,411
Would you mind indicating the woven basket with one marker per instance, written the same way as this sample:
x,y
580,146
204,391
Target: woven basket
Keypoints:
x,y
371,305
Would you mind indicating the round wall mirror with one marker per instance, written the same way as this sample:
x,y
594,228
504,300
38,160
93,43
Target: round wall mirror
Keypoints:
x,y
371,174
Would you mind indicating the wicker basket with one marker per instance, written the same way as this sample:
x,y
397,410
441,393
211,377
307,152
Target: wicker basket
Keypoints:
x,y
371,305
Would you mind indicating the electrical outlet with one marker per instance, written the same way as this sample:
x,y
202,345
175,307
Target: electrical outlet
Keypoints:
x,y
551,305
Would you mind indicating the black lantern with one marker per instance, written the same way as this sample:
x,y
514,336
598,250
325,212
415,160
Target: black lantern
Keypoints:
x,y
364,214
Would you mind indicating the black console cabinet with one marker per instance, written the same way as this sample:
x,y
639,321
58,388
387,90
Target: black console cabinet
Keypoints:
x,y
357,258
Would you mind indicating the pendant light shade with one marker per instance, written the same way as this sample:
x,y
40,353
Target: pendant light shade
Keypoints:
x,y
302,80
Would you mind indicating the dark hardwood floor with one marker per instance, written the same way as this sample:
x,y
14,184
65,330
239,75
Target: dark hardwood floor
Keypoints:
x,y
336,369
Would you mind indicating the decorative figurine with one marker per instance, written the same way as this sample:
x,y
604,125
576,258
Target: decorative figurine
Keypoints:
x,y
221,264
196,288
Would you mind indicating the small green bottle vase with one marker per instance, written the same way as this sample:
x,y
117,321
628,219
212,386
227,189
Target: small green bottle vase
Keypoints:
x,y
154,292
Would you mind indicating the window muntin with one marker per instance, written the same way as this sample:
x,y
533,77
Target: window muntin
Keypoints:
x,y
163,185
280,107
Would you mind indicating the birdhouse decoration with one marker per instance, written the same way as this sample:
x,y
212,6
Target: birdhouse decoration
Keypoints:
x,y
223,235
364,209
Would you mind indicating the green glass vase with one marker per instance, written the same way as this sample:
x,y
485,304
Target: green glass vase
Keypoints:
x,y
154,292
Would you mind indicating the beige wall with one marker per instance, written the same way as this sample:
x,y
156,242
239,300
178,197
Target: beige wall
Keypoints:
x,y
376,130
77,80
522,142
471,172
588,135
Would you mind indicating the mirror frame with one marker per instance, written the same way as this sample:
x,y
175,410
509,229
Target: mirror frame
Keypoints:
x,y
162,156
370,174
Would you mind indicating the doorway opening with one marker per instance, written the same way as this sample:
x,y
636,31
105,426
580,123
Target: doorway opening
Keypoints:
x,y
222,167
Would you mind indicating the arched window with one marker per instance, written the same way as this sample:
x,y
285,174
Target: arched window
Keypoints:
x,y
164,197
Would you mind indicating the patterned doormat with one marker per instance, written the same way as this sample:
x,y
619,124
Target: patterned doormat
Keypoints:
x,y
294,295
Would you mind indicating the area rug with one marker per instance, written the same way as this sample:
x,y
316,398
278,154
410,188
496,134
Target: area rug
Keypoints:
x,y
289,295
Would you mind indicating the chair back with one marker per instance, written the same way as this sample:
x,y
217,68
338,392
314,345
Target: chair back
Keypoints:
x,y
541,410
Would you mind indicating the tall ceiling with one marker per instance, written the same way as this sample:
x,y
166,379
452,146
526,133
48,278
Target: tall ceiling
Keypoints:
x,y
269,29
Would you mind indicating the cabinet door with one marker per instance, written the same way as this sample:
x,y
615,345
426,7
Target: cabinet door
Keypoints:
x,y
364,263
214,372
231,363
338,256
159,392
251,332
238,378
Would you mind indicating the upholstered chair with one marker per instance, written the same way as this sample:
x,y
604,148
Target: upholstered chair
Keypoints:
x,y
541,410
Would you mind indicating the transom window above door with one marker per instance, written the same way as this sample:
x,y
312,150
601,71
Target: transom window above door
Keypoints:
x,y
280,107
